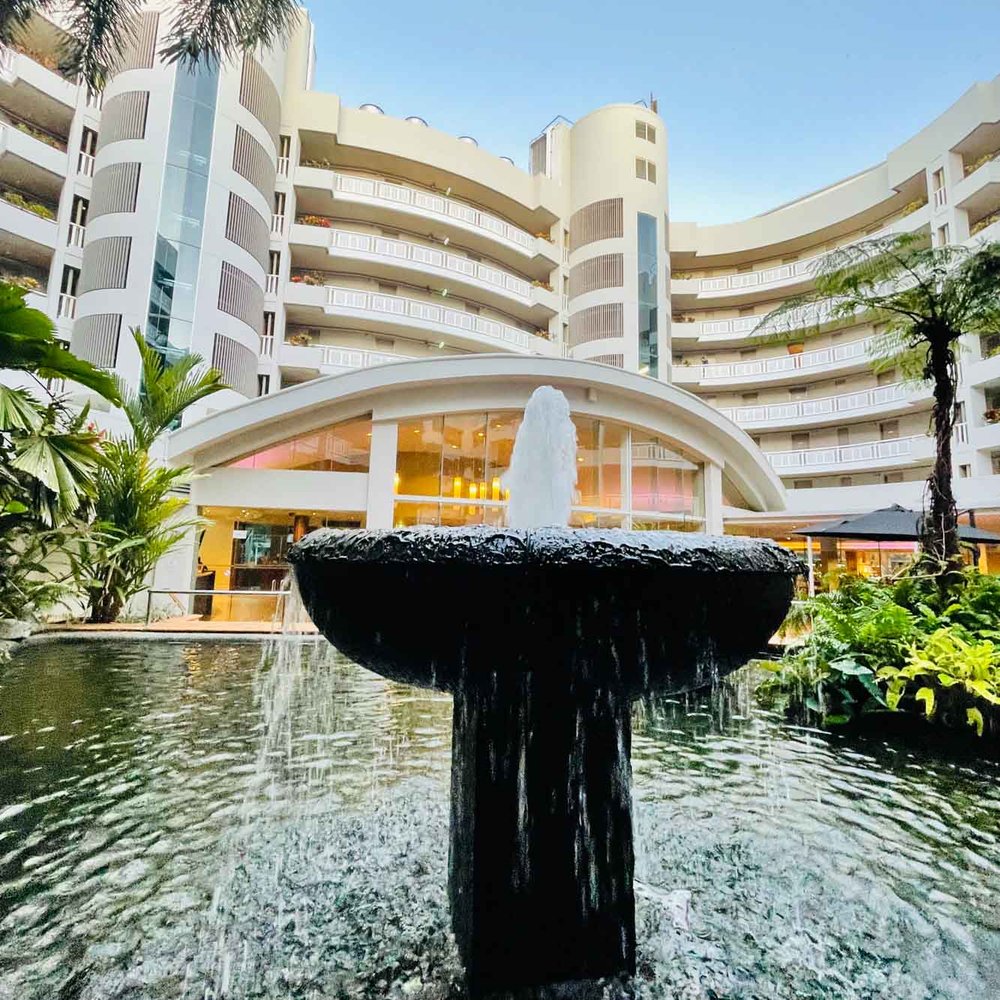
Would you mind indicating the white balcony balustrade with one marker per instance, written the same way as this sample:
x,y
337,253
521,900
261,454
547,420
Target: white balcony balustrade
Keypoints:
x,y
267,346
836,457
66,307
832,406
283,166
353,301
277,225
75,235
428,203
84,164
430,258
271,284
343,357
837,356
940,197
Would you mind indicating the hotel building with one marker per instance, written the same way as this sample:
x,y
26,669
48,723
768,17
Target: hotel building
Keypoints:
x,y
382,298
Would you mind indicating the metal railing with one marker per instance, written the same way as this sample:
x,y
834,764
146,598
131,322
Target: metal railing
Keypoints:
x,y
267,345
283,166
280,594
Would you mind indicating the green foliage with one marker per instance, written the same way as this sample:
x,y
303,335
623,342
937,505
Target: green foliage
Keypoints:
x,y
138,514
210,30
26,204
28,344
901,646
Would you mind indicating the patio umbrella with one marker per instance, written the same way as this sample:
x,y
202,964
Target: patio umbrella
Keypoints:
x,y
890,524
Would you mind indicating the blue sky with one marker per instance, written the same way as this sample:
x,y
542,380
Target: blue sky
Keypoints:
x,y
764,100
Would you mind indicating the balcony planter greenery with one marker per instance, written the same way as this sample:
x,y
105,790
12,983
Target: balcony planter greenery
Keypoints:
x,y
35,207
315,220
992,415
49,140
300,340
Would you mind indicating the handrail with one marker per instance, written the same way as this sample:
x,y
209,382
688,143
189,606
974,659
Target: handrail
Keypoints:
x,y
211,593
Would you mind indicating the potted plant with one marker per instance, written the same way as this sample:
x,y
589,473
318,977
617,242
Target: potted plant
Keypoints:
x,y
300,339
992,415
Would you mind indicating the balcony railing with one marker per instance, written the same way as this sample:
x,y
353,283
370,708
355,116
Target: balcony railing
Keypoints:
x,y
66,308
429,312
6,63
941,197
842,455
849,402
84,164
75,235
277,224
342,357
267,346
283,166
827,357
431,257
95,99
271,284
435,204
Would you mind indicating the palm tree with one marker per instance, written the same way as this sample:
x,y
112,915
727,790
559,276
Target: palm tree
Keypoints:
x,y
200,29
137,514
922,299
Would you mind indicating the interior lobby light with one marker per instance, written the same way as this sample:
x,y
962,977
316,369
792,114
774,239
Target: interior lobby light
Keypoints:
x,y
456,487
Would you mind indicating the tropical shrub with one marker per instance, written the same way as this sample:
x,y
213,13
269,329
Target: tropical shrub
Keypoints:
x,y
138,515
902,646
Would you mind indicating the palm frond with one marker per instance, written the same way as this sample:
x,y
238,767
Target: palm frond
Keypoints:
x,y
101,30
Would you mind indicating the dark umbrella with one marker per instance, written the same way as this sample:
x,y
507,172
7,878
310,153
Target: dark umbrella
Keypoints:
x,y
890,524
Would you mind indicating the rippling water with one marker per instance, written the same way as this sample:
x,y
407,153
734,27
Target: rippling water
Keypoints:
x,y
163,833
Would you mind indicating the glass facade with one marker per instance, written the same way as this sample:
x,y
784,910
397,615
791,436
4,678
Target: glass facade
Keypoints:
x,y
449,471
648,344
343,447
182,210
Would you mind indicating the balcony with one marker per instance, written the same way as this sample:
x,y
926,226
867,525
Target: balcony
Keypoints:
x,y
428,321
26,152
27,235
710,331
84,164
374,199
985,437
853,457
66,308
781,275
979,193
34,92
786,367
874,402
329,360
402,260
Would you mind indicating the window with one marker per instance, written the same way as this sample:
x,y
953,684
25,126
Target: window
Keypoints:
x,y
800,440
645,131
995,462
964,471
645,170
342,447
802,484
649,354
892,477
274,262
263,385
70,279
944,235
78,214
843,436
888,430
268,330
88,141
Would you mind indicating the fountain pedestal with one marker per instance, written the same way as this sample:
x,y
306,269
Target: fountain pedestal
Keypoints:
x,y
540,868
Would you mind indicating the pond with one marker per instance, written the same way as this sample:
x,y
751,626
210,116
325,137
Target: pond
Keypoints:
x,y
178,821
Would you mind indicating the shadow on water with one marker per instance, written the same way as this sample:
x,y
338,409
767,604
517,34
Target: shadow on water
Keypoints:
x,y
167,829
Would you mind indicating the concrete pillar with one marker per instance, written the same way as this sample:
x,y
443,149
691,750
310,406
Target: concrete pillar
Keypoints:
x,y
382,474
713,499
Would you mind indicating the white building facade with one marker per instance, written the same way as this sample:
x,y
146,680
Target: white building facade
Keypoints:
x,y
414,281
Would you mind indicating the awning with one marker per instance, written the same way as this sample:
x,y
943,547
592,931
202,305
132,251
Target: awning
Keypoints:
x,y
890,524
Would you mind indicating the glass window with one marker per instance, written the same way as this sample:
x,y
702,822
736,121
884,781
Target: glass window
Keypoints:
x,y
342,447
463,466
663,481
418,457
599,462
182,205
648,341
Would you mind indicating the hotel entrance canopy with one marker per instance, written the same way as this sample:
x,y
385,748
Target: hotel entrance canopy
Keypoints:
x,y
890,524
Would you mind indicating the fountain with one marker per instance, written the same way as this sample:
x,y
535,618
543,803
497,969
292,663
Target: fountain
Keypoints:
x,y
544,635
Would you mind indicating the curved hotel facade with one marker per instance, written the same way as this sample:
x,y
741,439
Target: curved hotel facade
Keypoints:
x,y
382,298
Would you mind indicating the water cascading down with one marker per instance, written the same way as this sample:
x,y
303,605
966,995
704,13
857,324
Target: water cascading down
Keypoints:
x,y
544,635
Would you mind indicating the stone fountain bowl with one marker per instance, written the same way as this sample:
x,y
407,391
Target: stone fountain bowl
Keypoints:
x,y
634,611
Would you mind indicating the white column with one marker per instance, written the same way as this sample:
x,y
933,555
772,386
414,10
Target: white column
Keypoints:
x,y
713,499
382,474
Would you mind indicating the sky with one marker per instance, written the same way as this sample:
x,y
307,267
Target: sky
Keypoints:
x,y
764,100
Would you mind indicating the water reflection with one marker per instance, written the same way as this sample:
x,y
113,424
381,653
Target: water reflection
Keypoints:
x,y
165,831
